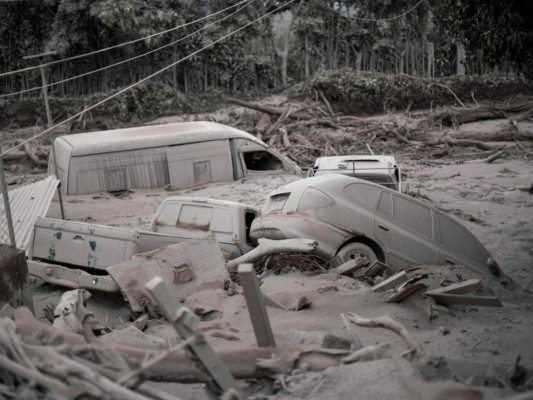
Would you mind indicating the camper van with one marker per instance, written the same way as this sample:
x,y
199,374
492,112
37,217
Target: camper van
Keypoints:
x,y
181,155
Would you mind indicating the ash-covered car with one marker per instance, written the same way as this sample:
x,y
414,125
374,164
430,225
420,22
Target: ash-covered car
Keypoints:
x,y
349,216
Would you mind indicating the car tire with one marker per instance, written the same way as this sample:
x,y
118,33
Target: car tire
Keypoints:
x,y
353,250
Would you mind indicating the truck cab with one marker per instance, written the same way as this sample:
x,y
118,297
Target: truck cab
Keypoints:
x,y
190,217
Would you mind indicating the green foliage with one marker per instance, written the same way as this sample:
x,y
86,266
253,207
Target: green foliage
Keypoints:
x,y
355,92
502,29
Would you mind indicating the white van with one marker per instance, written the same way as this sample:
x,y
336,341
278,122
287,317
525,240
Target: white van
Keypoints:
x,y
180,154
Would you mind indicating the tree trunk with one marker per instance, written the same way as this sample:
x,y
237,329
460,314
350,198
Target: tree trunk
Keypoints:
x,y
461,59
306,45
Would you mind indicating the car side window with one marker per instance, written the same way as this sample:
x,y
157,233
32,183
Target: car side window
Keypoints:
x,y
362,194
413,216
385,204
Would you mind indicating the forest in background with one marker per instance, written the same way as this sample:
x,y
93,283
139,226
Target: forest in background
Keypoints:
x,y
293,44
346,49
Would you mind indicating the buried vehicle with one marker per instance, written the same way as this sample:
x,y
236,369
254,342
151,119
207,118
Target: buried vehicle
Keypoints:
x,y
181,155
383,170
349,216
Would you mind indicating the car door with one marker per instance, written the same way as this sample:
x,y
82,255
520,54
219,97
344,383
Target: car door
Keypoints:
x,y
406,229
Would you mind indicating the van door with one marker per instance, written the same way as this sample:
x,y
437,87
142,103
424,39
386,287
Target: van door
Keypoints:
x,y
199,163
405,228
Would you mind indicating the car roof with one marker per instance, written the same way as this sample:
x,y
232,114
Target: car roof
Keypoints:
x,y
335,183
359,162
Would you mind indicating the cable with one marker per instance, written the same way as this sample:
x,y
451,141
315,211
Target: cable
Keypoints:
x,y
370,19
119,45
21,144
127,60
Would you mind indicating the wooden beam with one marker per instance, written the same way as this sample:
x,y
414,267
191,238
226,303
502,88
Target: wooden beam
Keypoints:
x,y
457,288
256,306
375,269
460,299
352,266
406,291
393,281
185,324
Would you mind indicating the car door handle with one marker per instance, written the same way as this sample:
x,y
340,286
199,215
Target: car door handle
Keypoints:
x,y
450,261
383,227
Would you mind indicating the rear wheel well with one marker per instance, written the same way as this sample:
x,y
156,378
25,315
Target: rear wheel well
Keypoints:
x,y
370,243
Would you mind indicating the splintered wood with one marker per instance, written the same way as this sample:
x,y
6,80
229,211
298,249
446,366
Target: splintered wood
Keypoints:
x,y
186,323
256,306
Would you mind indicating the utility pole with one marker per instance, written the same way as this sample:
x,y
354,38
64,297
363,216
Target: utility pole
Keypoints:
x,y
49,118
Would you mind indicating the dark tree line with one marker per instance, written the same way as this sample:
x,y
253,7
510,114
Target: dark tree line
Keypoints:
x,y
436,38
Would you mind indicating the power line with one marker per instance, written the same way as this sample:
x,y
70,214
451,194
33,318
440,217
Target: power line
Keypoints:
x,y
120,45
371,19
21,144
129,59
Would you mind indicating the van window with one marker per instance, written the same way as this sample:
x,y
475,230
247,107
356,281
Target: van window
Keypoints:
x,y
413,216
261,161
385,204
362,194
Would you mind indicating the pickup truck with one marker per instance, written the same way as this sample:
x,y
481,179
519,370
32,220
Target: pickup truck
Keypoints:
x,y
73,244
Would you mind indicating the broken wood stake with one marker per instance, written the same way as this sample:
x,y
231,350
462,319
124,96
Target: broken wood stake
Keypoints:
x,y
256,307
185,323
393,281
457,288
352,266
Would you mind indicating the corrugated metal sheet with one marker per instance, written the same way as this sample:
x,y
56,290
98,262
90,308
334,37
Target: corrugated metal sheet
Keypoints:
x,y
27,203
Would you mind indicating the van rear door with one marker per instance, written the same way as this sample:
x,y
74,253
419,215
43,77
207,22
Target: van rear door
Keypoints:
x,y
199,163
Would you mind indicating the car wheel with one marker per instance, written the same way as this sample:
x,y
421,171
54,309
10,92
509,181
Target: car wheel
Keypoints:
x,y
353,250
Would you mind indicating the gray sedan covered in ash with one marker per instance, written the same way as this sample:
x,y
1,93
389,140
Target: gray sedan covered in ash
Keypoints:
x,y
350,216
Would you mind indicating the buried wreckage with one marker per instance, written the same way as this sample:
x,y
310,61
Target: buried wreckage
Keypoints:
x,y
197,278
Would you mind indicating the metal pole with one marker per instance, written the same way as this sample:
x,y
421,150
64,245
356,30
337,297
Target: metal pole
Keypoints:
x,y
7,207
50,122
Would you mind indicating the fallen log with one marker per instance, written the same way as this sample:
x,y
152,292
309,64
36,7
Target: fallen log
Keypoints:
x,y
387,323
483,113
276,111
268,247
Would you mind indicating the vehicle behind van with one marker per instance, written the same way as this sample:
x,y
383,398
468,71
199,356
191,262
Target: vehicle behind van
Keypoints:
x,y
382,170
181,155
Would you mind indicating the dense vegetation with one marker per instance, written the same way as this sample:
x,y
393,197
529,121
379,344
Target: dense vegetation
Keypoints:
x,y
357,53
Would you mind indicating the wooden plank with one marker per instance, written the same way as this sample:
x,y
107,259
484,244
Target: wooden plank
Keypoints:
x,y
352,266
393,281
459,299
256,306
375,269
457,288
185,324
405,292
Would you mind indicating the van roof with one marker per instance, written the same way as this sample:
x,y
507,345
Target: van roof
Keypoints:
x,y
152,136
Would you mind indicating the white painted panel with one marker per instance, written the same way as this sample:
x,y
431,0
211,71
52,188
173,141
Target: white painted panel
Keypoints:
x,y
199,163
